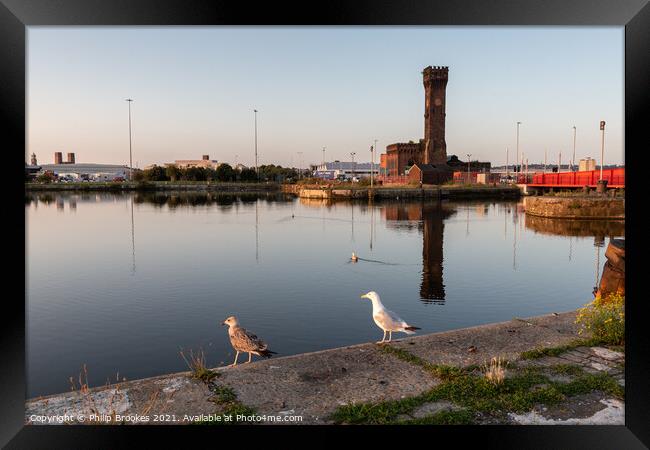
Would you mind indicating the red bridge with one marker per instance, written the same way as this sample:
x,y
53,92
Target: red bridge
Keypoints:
x,y
615,179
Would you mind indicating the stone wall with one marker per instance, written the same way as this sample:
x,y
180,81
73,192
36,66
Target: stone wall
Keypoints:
x,y
575,207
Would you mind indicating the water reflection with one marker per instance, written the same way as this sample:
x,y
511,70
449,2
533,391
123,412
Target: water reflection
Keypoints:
x,y
132,236
157,198
598,229
429,217
584,228
196,263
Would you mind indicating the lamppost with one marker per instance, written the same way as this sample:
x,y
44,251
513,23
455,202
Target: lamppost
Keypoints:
x,y
129,100
352,156
517,160
256,168
602,148
573,160
299,165
323,158
507,169
526,171
372,148
469,155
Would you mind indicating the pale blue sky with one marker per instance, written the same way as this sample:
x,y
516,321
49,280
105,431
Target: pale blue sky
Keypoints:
x,y
195,89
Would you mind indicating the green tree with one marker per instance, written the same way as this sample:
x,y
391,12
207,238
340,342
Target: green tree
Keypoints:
x,y
225,172
248,175
155,173
138,176
194,174
45,177
173,172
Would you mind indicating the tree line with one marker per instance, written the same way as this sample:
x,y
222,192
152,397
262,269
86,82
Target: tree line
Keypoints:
x,y
224,172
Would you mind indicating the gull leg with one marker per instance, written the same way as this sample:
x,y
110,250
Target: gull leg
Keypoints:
x,y
236,356
390,335
250,356
382,339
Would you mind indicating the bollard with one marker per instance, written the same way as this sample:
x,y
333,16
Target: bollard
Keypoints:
x,y
601,186
613,278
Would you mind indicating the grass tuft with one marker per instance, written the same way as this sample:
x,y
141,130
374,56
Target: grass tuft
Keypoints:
x,y
555,351
567,369
196,364
223,395
460,417
495,371
442,371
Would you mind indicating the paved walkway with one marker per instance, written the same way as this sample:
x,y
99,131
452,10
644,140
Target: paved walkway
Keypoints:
x,y
313,385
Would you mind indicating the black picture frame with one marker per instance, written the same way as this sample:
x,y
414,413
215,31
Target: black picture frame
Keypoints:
x,y
634,15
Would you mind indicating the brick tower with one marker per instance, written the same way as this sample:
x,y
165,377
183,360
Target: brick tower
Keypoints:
x,y
435,85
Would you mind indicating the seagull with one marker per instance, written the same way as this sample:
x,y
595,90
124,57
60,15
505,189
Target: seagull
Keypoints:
x,y
387,320
245,341
354,257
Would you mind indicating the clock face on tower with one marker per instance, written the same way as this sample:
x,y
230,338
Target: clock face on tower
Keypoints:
x,y
437,101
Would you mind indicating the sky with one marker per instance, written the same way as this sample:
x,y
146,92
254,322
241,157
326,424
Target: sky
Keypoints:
x,y
195,89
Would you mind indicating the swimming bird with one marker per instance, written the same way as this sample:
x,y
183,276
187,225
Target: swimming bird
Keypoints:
x,y
243,340
354,257
387,320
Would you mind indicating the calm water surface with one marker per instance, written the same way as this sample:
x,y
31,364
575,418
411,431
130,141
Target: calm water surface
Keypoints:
x,y
122,282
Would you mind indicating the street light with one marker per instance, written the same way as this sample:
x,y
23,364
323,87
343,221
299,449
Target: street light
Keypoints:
x,y
573,161
299,164
602,148
469,156
372,161
517,160
256,168
129,100
352,156
507,169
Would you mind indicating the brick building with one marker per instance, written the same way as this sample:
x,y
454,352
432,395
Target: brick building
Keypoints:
x,y
430,152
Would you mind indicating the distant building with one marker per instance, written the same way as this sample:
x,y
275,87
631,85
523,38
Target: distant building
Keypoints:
x,y
344,170
474,166
587,164
427,174
58,158
430,152
87,171
204,162
32,171
34,162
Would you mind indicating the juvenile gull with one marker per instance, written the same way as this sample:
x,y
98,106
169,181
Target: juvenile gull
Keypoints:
x,y
245,341
387,320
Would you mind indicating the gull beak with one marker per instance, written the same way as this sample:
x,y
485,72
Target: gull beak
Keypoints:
x,y
223,324
364,296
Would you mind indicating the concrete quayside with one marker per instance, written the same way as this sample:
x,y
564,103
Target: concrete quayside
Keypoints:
x,y
576,207
309,388
405,192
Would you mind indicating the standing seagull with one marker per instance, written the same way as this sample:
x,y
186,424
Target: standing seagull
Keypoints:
x,y
245,341
387,320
